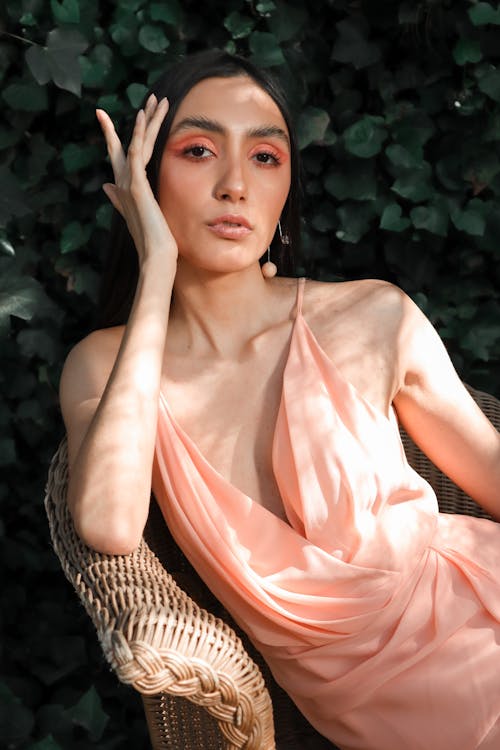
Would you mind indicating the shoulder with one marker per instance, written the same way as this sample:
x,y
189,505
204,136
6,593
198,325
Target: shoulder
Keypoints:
x,y
373,302
89,364
362,291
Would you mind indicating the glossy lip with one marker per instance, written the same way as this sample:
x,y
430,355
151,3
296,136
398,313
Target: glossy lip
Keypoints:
x,y
220,227
232,218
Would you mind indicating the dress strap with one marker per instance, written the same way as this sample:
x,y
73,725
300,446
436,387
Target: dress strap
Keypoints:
x,y
300,295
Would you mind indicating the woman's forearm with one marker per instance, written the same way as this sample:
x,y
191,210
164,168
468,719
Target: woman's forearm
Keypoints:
x,y
110,476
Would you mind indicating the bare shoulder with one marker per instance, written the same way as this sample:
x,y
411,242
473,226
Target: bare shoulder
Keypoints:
x,y
376,303
89,364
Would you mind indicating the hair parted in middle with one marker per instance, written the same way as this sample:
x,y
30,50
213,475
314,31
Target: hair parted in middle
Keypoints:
x,y
121,268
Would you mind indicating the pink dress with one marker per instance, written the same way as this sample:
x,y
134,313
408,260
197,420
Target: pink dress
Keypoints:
x,y
377,614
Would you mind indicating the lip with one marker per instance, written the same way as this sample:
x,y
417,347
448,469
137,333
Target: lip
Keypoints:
x,y
232,219
230,226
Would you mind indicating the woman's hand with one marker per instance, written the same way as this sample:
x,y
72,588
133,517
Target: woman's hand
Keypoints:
x,y
131,192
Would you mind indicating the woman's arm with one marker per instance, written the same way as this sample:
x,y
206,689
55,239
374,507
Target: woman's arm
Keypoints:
x,y
110,383
439,414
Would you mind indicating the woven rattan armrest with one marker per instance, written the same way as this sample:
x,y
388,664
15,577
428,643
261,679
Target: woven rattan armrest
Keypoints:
x,y
154,636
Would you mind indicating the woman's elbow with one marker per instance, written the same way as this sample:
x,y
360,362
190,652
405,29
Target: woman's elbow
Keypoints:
x,y
109,539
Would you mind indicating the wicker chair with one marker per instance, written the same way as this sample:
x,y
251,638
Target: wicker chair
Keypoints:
x,y
203,686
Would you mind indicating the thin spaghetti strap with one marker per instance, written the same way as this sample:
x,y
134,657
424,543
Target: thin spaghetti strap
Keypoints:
x,y
300,295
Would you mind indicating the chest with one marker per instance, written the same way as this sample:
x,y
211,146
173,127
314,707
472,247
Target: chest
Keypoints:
x,y
229,408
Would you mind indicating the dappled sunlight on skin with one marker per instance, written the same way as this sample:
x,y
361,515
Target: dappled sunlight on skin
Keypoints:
x,y
361,602
230,388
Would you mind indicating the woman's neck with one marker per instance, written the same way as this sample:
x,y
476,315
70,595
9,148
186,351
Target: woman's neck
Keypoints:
x,y
221,313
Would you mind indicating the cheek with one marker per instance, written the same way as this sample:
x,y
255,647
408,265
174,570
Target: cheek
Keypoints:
x,y
174,191
275,192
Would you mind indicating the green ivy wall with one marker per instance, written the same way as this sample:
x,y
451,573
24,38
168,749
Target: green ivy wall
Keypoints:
x,y
398,112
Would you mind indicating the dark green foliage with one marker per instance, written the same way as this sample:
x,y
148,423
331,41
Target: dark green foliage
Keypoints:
x,y
398,114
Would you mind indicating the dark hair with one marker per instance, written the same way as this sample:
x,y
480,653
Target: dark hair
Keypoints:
x,y
120,272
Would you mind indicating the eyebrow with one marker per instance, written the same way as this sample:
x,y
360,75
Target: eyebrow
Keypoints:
x,y
204,123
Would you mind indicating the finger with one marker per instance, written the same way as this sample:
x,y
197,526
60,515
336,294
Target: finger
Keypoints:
x,y
112,195
150,108
113,143
135,148
154,128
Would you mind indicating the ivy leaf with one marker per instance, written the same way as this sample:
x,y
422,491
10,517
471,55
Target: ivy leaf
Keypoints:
x,y
36,57
96,66
482,14
401,157
365,137
66,11
238,25
392,219
6,246
352,46
74,236
433,218
467,51
153,38
20,296
8,455
8,138
48,743
13,202
489,84
413,131
170,12
414,184
354,221
482,342
26,97
111,103
136,93
265,7
287,21
58,60
16,721
38,343
104,215
312,125
88,713
469,220
265,49
353,180
27,19
76,156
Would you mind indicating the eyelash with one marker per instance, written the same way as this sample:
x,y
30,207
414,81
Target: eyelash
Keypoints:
x,y
188,151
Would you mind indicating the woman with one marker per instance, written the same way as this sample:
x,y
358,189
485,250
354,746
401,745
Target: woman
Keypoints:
x,y
263,412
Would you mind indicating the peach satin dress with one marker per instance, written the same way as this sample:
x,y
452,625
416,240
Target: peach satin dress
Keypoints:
x,y
378,615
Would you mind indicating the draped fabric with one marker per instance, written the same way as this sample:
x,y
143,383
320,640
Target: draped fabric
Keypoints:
x,y
377,614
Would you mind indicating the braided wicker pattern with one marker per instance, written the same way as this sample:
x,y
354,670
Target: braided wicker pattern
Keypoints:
x,y
154,636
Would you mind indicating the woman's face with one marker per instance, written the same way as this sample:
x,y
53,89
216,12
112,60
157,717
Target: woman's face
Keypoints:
x,y
225,174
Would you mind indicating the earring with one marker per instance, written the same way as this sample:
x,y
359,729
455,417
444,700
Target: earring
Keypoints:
x,y
285,238
269,268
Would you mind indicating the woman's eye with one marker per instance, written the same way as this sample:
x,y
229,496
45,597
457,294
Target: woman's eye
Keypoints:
x,y
264,157
198,152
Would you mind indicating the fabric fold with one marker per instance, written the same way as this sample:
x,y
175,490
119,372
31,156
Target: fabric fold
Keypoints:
x,y
378,615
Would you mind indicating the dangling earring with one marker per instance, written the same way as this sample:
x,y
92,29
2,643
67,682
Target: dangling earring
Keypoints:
x,y
269,268
285,238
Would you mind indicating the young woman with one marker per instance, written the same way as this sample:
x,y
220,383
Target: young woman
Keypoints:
x,y
262,410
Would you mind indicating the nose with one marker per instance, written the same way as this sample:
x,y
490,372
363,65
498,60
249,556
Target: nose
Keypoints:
x,y
231,184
